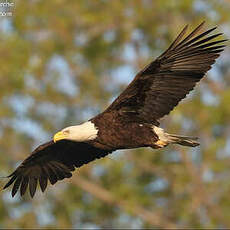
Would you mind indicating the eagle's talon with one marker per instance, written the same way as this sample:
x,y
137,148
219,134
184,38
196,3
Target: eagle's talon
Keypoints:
x,y
161,143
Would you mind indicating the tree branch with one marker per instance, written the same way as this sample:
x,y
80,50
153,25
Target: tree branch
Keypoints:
x,y
154,219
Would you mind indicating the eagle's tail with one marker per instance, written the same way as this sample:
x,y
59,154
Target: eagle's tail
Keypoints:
x,y
183,140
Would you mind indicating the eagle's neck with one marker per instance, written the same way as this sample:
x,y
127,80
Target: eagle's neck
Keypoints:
x,y
84,132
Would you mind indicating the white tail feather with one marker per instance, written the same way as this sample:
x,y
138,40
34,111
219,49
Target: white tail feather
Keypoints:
x,y
175,139
183,140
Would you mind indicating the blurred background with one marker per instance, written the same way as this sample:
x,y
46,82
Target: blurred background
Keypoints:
x,y
63,62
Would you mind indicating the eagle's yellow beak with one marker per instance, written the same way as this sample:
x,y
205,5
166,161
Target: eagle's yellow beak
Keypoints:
x,y
59,136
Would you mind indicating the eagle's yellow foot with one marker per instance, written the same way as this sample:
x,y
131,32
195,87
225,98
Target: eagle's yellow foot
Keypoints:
x,y
161,143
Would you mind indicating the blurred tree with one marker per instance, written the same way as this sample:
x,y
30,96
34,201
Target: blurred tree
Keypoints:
x,y
63,62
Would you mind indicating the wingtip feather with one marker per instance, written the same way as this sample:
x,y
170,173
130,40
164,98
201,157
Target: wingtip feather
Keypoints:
x,y
12,179
16,186
33,186
43,181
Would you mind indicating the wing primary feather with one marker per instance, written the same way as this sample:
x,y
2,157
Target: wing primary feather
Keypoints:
x,y
71,167
174,44
56,171
43,181
16,186
211,44
198,37
195,31
24,185
60,171
191,53
206,40
52,176
33,185
63,167
12,174
194,48
13,178
214,48
182,33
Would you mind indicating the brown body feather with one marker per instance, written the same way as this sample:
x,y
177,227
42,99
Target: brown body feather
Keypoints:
x,y
128,121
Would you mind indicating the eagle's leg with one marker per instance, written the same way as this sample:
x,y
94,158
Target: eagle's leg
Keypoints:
x,y
161,143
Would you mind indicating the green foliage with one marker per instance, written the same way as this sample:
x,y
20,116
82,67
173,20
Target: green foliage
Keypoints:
x,y
63,62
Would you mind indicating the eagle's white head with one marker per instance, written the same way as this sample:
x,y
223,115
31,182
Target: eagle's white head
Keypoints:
x,y
80,133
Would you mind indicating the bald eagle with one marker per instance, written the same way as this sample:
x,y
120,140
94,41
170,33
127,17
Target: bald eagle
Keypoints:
x,y
132,120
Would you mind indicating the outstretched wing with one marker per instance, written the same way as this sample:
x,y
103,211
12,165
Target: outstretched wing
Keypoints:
x,y
51,161
160,86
